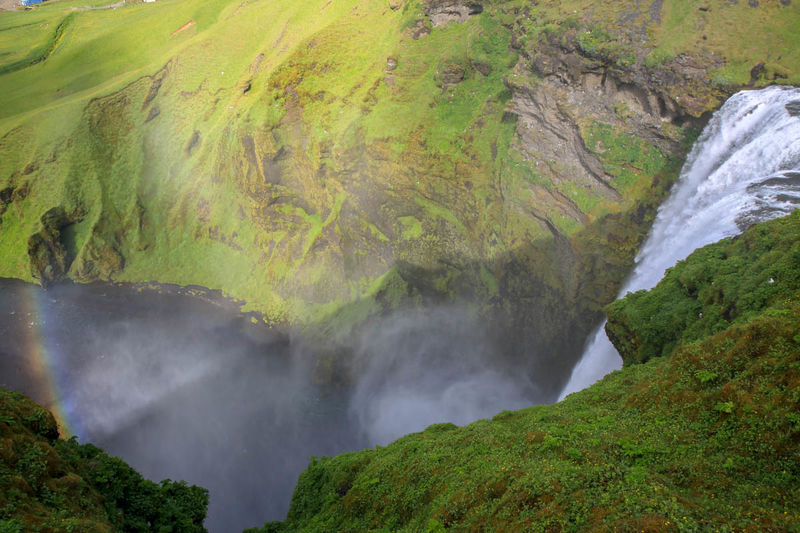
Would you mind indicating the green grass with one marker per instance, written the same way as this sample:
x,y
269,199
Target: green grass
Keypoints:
x,y
631,161
412,228
742,35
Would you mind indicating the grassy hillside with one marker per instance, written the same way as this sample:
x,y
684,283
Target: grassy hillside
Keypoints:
x,y
702,438
721,286
53,485
327,161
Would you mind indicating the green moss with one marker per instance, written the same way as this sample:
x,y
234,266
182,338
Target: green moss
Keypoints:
x,y
438,211
489,281
412,228
632,161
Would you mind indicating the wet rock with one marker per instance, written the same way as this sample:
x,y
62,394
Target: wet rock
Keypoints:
x,y
443,11
756,72
793,108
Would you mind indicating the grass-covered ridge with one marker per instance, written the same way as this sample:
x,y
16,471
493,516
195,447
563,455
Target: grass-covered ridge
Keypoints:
x,y
720,286
704,437
50,484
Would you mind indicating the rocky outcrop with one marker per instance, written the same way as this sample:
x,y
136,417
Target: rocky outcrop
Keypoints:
x,y
441,12
49,256
559,94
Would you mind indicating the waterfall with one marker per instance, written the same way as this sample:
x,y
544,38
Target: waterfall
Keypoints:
x,y
744,168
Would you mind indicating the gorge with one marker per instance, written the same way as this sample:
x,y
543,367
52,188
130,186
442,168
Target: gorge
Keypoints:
x,y
305,229
165,380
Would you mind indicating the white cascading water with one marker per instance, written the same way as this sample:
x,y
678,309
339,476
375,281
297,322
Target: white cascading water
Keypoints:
x,y
744,168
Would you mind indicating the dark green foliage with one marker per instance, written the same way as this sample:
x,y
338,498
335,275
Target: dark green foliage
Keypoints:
x,y
132,502
722,284
48,484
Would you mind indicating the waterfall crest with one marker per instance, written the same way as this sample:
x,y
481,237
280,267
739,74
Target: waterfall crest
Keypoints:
x,y
744,168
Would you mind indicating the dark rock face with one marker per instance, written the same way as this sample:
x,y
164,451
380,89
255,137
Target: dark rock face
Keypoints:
x,y
49,256
793,108
483,68
757,71
421,28
443,11
9,195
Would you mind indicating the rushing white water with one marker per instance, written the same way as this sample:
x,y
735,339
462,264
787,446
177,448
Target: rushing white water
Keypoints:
x,y
744,168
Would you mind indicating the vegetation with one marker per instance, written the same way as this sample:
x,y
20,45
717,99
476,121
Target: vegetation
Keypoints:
x,y
49,484
703,437
719,286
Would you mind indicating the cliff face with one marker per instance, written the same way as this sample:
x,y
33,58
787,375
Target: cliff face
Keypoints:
x,y
702,437
324,163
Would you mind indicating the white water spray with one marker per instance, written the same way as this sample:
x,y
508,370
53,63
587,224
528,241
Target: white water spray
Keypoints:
x,y
744,168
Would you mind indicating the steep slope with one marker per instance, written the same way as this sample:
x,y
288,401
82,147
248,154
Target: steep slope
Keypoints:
x,y
324,162
704,437
48,484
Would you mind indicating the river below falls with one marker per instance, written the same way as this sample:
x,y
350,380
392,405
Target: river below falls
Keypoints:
x,y
179,387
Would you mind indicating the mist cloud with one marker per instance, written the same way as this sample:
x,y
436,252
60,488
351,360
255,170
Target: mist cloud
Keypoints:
x,y
427,366
189,391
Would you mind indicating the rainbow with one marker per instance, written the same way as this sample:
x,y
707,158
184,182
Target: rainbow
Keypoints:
x,y
40,352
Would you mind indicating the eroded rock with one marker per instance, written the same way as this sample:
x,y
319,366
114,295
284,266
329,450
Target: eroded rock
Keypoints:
x,y
441,12
450,75
49,256
421,28
99,260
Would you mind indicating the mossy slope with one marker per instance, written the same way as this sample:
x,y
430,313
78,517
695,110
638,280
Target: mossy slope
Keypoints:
x,y
720,286
704,437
